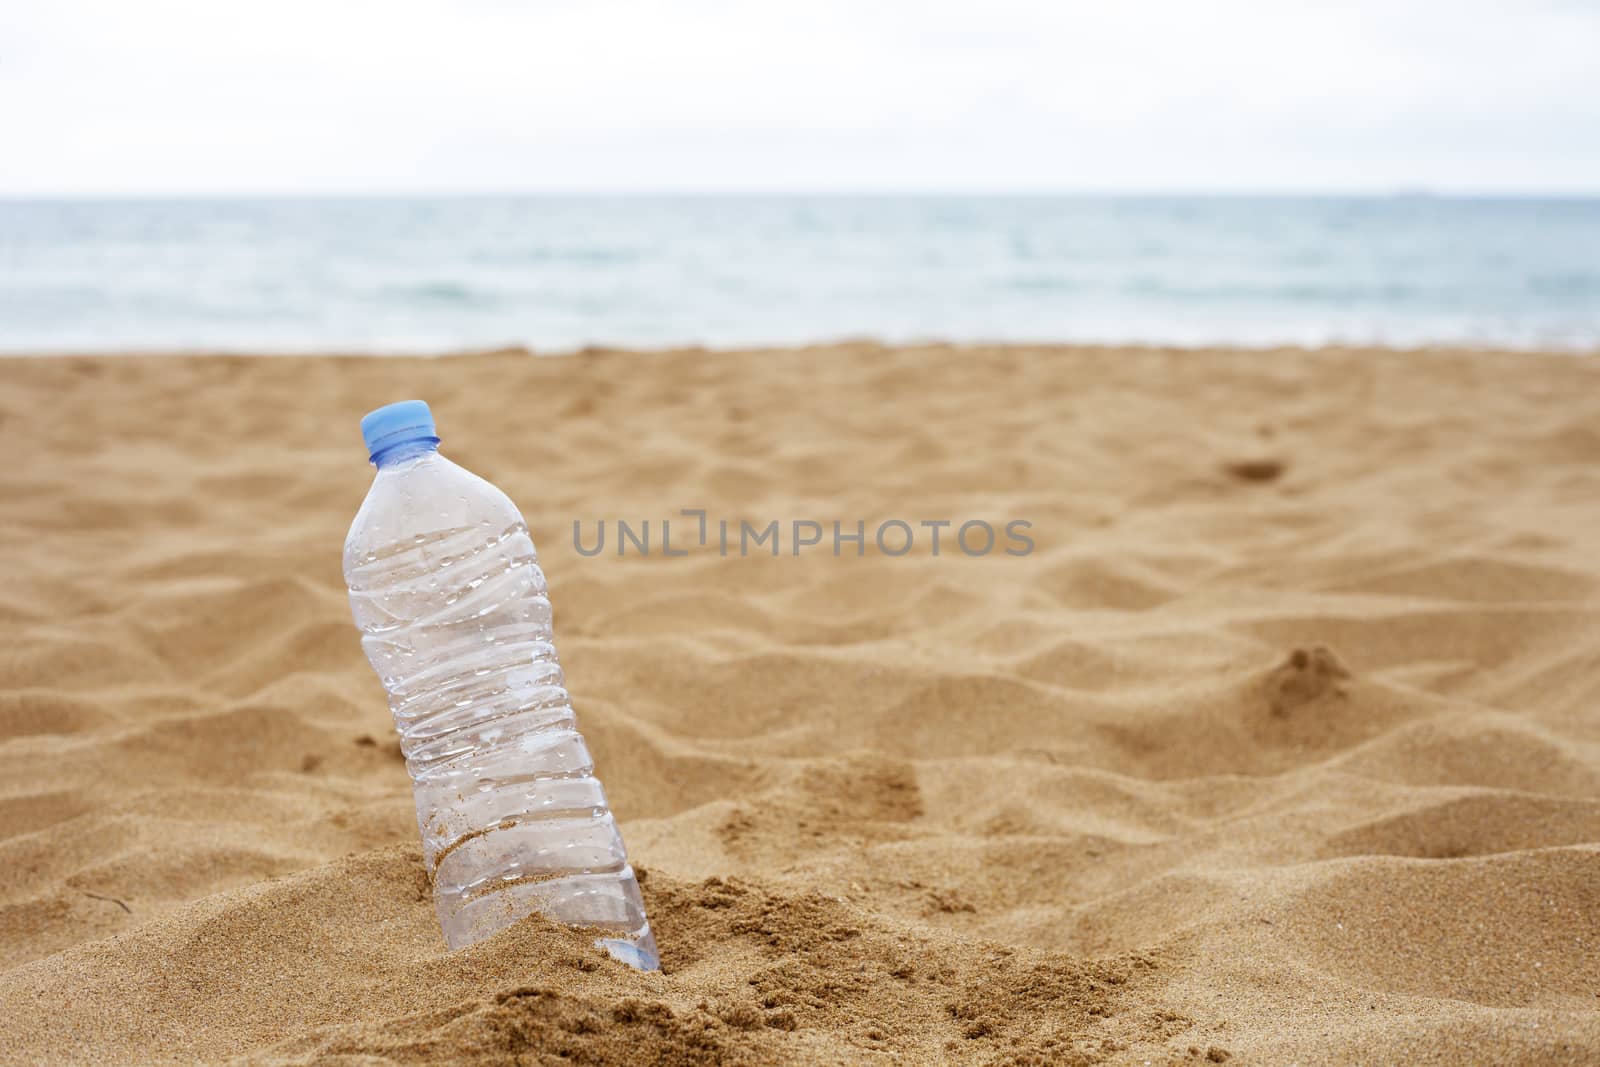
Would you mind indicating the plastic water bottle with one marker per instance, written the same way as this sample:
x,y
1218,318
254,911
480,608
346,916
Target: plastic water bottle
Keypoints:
x,y
447,592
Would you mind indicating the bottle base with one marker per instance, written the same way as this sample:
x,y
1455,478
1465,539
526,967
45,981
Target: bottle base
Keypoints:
x,y
641,955
602,901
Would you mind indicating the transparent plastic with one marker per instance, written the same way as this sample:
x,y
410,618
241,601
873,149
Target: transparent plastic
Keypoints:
x,y
447,591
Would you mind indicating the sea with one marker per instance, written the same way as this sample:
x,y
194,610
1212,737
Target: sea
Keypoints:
x,y
556,273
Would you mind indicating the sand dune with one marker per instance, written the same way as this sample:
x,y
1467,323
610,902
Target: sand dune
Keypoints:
x,y
1280,746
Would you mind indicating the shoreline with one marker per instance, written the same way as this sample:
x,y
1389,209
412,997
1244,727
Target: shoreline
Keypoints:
x,y
861,344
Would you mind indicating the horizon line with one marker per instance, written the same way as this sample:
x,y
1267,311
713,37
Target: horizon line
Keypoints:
x,y
1219,193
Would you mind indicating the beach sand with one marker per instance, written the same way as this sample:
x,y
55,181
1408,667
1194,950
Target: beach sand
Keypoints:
x,y
1281,746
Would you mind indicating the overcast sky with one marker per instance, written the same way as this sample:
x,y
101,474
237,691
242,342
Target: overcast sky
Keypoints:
x,y
157,96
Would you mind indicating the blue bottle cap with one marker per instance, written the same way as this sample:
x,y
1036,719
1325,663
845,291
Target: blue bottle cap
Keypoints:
x,y
397,424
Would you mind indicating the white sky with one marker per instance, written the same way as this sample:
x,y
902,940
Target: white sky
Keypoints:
x,y
160,96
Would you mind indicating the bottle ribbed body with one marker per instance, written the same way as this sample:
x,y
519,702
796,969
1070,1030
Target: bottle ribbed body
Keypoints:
x,y
455,618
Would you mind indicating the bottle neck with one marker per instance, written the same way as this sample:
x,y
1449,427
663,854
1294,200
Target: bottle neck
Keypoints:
x,y
404,452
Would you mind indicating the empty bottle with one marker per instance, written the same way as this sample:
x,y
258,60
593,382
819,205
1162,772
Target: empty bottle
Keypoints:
x,y
447,592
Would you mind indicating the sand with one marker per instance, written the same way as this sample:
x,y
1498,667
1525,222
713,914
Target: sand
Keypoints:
x,y
1281,746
